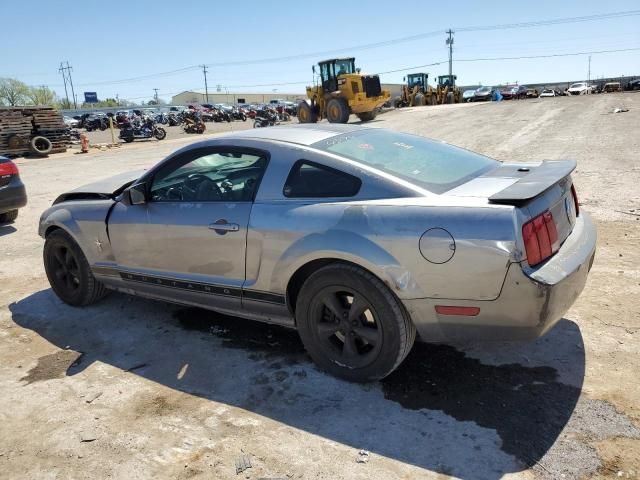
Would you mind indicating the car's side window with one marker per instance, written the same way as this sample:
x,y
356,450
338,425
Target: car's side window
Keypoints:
x,y
312,180
220,176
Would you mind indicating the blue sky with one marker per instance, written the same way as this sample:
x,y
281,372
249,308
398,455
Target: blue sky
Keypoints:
x,y
112,41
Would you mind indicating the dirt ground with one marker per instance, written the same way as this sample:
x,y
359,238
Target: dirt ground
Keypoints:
x,y
136,389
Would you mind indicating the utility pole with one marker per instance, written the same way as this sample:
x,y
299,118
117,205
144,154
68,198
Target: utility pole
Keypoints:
x,y
449,42
155,95
206,87
75,101
64,79
589,71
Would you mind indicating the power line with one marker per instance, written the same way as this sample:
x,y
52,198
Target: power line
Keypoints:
x,y
524,57
415,67
419,36
555,21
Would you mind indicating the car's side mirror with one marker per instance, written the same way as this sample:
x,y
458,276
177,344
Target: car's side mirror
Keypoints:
x,y
138,194
313,69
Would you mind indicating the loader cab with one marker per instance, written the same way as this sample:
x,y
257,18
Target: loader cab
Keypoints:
x,y
417,80
447,81
330,70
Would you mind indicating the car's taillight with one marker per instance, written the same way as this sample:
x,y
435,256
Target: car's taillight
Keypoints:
x,y
8,168
575,199
540,237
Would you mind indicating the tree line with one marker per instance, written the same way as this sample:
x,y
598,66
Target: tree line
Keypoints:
x,y
14,93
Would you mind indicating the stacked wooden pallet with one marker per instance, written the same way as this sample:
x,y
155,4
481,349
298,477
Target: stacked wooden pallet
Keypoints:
x,y
18,125
47,122
15,132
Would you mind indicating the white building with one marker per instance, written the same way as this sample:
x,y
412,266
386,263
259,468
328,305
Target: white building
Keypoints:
x,y
190,97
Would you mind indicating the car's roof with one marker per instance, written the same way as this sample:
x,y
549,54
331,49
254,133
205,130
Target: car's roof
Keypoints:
x,y
302,134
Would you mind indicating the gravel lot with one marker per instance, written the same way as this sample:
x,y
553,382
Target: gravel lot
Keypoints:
x,y
136,389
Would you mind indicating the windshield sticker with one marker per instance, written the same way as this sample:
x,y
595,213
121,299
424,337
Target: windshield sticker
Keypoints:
x,y
403,145
365,146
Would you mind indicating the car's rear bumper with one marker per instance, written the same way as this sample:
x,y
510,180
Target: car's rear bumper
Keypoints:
x,y
12,196
530,302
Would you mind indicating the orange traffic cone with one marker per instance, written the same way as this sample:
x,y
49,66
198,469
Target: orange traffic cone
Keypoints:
x,y
84,143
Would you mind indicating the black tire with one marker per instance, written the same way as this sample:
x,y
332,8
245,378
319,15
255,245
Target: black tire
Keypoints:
x,y
419,100
68,271
244,117
367,116
337,110
8,217
257,124
306,113
40,145
160,133
450,97
397,102
127,139
369,345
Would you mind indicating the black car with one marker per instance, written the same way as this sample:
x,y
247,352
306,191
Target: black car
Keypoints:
x,y
633,84
12,193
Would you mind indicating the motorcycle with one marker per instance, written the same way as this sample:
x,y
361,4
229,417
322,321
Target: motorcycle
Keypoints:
x,y
238,114
220,115
174,119
91,122
193,122
266,118
162,118
194,126
146,128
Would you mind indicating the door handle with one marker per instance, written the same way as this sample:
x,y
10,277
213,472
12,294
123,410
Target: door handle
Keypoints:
x,y
221,226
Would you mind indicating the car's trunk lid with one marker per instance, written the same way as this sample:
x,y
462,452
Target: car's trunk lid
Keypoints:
x,y
532,187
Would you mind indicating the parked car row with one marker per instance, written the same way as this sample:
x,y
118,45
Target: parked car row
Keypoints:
x,y
520,91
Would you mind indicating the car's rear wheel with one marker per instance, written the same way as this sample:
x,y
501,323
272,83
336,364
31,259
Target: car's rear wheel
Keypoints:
x,y
68,271
351,324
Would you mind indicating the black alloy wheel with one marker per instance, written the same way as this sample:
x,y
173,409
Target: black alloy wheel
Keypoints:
x,y
351,324
345,326
66,270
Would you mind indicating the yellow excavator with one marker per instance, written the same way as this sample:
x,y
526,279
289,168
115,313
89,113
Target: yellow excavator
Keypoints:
x,y
342,90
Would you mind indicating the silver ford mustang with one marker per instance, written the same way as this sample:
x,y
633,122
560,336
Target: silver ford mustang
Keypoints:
x,y
358,237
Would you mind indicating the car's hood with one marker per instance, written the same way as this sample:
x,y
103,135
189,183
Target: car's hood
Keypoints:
x,y
102,189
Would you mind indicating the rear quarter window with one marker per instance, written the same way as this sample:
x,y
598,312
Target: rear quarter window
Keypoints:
x,y
312,180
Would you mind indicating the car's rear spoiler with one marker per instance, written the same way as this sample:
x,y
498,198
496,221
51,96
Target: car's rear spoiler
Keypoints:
x,y
535,182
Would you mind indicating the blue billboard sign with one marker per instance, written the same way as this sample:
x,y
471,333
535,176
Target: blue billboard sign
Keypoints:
x,y
90,97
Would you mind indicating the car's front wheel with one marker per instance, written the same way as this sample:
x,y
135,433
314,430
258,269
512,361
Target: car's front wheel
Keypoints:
x,y
351,323
68,271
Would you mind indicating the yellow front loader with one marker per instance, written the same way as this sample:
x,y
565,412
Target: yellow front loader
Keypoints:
x,y
342,90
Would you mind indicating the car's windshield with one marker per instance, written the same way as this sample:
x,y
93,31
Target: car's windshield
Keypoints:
x,y
435,166
577,85
483,89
